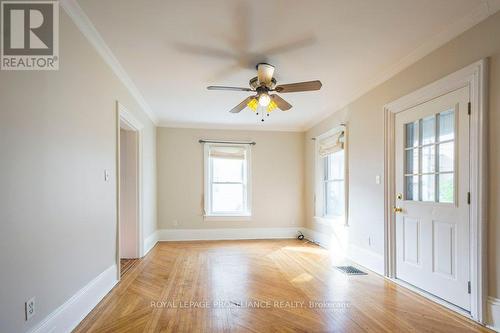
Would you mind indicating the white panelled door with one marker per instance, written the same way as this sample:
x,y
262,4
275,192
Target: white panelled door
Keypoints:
x,y
432,185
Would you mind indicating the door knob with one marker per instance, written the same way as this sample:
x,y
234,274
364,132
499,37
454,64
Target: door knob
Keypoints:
x,y
397,210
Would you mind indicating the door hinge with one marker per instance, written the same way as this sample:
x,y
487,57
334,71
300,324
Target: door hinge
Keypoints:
x,y
469,108
468,287
468,198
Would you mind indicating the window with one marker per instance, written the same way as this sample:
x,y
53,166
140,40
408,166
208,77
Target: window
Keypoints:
x,y
333,187
227,180
430,158
330,173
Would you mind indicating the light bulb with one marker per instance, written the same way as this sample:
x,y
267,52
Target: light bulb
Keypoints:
x,y
264,99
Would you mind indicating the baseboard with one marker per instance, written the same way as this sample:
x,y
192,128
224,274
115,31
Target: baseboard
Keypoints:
x,y
363,257
493,311
366,258
317,237
150,242
227,234
71,313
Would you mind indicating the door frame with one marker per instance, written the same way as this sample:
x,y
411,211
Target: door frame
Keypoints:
x,y
123,115
473,76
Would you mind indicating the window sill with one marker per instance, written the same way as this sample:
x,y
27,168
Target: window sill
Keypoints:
x,y
222,218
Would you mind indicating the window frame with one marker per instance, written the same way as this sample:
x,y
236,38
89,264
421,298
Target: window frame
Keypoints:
x,y
246,213
320,193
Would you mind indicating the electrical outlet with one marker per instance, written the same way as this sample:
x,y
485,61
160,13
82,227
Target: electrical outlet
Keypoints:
x,y
29,308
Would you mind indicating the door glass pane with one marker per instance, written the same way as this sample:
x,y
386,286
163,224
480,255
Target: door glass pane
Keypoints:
x,y
428,159
412,161
447,125
412,134
227,170
428,130
446,187
334,198
411,184
428,188
446,156
227,198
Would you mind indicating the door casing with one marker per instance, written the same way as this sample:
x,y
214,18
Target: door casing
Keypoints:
x,y
473,76
123,115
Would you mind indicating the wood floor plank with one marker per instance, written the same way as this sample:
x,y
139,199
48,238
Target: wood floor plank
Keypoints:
x,y
260,286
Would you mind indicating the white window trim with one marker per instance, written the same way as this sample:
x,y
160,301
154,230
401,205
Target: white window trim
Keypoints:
x,y
319,203
208,216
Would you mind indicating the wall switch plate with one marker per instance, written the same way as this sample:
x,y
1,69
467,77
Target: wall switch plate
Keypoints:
x,y
107,175
377,179
29,308
175,223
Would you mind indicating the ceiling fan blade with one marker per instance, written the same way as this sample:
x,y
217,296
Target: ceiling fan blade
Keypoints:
x,y
281,103
299,86
242,105
265,73
228,88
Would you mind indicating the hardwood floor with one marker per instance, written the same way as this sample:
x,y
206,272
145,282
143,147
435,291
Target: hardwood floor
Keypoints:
x,y
126,265
260,286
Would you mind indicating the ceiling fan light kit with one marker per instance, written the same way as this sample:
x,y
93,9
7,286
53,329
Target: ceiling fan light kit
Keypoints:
x,y
262,85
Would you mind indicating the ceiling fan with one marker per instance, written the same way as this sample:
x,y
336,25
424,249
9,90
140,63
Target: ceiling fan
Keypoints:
x,y
263,85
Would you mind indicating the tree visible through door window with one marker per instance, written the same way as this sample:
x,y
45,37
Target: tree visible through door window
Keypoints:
x,y
430,158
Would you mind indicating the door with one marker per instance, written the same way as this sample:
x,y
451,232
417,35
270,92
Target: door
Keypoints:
x,y
432,185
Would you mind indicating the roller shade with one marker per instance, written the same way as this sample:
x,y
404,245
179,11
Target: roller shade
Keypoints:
x,y
228,152
331,144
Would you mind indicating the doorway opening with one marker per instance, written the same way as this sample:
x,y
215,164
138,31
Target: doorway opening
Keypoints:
x,y
129,156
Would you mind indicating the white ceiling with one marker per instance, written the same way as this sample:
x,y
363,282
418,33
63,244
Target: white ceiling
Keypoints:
x,y
173,49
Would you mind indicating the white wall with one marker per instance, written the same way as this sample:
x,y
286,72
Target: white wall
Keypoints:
x,y
365,120
57,214
277,178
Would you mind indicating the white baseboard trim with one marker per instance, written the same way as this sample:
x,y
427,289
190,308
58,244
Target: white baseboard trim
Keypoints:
x,y
366,258
71,313
317,237
226,234
363,257
150,242
493,313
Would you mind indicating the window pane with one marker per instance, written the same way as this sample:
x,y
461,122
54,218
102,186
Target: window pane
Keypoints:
x,y
446,156
428,159
446,187
412,161
412,134
334,166
334,198
227,198
428,188
447,125
411,183
428,130
227,170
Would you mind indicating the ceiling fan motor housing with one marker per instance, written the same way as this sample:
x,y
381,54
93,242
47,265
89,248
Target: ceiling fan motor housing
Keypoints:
x,y
254,83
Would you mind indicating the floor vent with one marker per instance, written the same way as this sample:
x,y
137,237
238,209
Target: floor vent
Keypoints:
x,y
350,270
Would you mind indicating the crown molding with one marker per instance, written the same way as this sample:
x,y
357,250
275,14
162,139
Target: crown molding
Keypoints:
x,y
482,12
244,127
82,21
